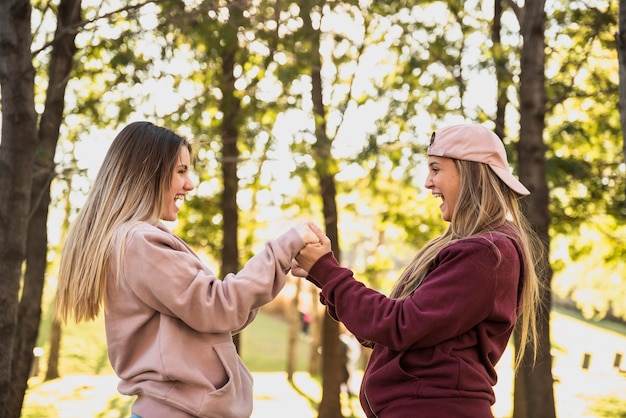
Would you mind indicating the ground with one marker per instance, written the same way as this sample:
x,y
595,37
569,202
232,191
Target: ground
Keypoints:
x,y
576,389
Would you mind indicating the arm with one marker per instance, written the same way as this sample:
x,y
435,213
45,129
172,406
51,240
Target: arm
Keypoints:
x,y
456,295
168,277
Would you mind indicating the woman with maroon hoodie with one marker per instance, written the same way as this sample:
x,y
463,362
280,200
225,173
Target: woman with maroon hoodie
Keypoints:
x,y
436,340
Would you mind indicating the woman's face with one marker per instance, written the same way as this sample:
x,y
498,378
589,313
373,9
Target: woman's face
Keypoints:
x,y
444,182
180,185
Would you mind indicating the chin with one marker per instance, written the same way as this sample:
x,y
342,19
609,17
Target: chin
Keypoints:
x,y
169,218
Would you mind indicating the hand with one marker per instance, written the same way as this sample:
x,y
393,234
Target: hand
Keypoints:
x,y
311,252
298,271
307,234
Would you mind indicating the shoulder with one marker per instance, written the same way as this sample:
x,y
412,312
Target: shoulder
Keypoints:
x,y
498,244
151,234
150,242
148,229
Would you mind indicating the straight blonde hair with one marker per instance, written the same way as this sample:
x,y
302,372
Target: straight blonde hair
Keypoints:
x,y
128,189
485,204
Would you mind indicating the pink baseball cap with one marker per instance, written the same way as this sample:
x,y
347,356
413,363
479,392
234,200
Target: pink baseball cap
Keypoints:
x,y
474,142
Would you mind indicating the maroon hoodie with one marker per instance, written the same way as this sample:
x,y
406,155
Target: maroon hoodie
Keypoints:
x,y
434,353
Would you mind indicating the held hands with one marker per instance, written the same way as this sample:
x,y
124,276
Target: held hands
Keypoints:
x,y
312,251
306,233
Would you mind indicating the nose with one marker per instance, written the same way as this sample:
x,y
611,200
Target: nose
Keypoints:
x,y
429,182
189,186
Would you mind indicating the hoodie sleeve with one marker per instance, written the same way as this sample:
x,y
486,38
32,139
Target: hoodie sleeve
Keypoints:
x,y
467,279
169,278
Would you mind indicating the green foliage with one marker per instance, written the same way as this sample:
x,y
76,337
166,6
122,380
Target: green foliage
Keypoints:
x,y
40,411
163,62
594,279
585,159
609,407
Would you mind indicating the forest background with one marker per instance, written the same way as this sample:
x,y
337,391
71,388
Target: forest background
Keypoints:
x,y
315,110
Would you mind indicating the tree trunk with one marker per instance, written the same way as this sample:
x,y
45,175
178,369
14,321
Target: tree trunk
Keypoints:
x,y
534,396
230,107
56,330
295,324
502,73
620,38
63,50
318,312
17,151
330,406
52,370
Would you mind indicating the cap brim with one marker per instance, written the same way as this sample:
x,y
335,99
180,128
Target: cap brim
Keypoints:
x,y
510,180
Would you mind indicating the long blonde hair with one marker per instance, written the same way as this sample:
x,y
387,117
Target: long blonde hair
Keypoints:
x,y
128,189
485,203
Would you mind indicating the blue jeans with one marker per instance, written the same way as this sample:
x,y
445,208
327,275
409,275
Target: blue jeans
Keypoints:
x,y
134,416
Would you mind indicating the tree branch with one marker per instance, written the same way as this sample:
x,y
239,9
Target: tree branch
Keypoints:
x,y
81,24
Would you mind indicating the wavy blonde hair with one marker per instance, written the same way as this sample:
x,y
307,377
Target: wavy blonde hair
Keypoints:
x,y
128,189
485,203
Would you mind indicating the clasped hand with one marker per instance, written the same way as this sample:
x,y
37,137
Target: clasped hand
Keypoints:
x,y
316,245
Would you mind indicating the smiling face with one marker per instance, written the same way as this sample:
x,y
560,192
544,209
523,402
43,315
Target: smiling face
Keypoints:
x,y
179,186
444,181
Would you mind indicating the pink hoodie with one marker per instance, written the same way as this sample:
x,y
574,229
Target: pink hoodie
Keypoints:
x,y
170,320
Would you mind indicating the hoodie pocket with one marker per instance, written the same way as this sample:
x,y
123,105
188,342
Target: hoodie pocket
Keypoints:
x,y
231,397
234,398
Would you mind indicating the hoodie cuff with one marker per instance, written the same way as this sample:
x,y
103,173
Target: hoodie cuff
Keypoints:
x,y
320,271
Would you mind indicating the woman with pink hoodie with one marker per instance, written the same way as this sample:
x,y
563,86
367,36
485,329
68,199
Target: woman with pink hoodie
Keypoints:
x,y
169,319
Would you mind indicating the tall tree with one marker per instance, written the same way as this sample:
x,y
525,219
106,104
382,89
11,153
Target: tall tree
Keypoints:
x,y
325,167
60,67
585,153
56,330
534,396
17,154
230,107
30,145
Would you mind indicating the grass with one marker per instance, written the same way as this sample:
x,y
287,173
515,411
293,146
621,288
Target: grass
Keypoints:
x,y
609,407
263,345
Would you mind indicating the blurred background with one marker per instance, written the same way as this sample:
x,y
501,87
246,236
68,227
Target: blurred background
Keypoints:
x,y
316,110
